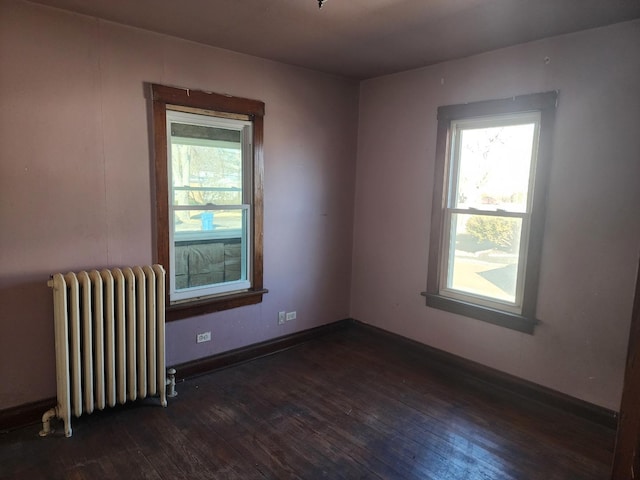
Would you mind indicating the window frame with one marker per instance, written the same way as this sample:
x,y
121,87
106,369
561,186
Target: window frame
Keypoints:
x,y
524,318
223,106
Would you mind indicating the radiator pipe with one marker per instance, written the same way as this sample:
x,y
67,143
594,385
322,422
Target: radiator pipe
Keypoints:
x,y
46,421
171,383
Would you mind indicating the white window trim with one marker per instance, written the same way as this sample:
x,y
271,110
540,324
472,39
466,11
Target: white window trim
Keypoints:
x,y
451,183
205,291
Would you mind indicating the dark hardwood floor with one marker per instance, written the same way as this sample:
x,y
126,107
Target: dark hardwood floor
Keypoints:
x,y
351,404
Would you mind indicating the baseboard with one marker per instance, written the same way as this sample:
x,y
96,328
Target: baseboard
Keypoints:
x,y
206,365
26,414
503,381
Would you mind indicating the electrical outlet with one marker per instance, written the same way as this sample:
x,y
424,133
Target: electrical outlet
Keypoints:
x,y
291,316
203,337
281,317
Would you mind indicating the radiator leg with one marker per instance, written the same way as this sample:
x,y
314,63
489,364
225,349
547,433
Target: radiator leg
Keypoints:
x,y
46,422
171,383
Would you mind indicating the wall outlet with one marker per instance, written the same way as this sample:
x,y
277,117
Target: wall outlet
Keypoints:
x,y
291,316
203,337
281,317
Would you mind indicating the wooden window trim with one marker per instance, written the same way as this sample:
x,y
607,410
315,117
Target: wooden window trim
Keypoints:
x,y
162,98
545,103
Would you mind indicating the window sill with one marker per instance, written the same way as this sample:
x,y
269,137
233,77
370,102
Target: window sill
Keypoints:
x,y
182,310
489,315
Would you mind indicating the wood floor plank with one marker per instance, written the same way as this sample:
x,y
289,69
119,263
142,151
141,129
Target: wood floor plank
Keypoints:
x,y
348,405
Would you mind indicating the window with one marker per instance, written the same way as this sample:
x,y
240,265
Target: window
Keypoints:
x,y
208,168
488,212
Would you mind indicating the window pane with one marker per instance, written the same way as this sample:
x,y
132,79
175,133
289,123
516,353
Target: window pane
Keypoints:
x,y
206,166
484,256
208,263
494,167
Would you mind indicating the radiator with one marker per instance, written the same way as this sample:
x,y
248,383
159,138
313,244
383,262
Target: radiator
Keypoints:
x,y
109,340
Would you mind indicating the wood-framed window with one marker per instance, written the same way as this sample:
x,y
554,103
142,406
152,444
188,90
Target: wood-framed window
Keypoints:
x,y
209,199
487,219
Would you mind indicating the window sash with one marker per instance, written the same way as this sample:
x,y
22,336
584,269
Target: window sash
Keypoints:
x,y
203,291
447,265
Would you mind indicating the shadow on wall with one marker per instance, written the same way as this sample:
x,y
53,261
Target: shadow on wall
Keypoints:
x,y
25,300
27,347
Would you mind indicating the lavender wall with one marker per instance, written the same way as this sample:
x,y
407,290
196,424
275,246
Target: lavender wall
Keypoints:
x,y
75,182
592,232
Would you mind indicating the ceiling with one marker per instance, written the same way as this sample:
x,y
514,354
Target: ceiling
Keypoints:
x,y
359,38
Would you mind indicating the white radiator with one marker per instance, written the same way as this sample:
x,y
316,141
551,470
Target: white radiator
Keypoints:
x,y
109,339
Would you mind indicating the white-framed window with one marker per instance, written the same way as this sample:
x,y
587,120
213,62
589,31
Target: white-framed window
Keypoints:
x,y
487,220
209,178
488,214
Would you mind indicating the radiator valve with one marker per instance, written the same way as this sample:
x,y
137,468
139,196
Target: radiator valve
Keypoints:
x,y
171,383
46,422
